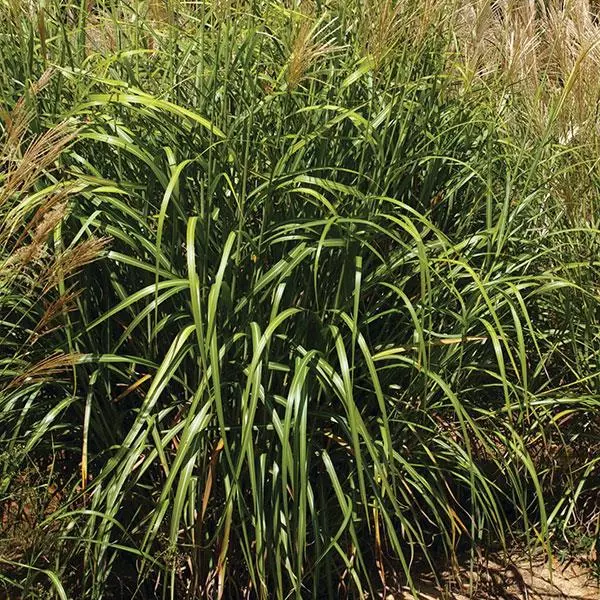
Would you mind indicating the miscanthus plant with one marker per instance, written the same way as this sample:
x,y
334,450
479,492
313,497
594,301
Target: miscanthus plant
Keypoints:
x,y
346,328
37,264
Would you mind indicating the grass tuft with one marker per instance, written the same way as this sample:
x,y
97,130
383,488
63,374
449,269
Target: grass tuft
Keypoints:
x,y
296,301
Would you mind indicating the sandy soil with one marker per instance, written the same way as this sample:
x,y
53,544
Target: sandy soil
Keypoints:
x,y
518,580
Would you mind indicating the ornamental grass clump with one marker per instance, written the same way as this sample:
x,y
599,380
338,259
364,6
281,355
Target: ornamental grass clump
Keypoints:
x,y
346,328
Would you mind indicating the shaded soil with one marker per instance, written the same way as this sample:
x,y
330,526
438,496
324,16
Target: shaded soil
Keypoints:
x,y
517,579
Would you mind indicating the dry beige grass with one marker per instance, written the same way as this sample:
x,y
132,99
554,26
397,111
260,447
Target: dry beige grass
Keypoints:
x,y
310,44
548,52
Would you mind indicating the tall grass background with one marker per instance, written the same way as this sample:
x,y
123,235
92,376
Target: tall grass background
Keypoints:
x,y
296,299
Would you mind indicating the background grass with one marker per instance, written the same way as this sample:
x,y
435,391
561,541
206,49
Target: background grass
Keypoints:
x,y
342,320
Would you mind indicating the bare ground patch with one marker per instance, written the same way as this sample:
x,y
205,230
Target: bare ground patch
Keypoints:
x,y
518,579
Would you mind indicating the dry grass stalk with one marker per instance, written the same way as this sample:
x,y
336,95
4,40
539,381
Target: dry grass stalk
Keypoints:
x,y
54,310
41,153
383,25
50,211
306,50
72,260
26,260
42,82
47,368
